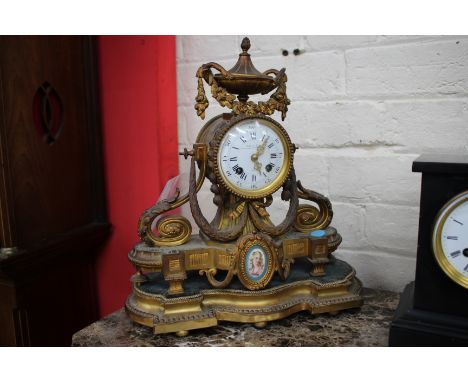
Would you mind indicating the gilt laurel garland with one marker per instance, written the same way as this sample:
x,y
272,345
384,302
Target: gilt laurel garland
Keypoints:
x,y
277,101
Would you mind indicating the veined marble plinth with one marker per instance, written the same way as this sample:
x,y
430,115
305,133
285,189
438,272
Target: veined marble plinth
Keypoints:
x,y
366,326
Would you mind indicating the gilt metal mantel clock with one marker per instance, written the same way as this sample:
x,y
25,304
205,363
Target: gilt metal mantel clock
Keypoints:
x,y
241,267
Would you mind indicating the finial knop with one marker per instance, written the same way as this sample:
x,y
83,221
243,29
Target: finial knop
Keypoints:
x,y
245,45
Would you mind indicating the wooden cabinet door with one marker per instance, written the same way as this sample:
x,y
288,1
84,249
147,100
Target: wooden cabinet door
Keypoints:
x,y
52,209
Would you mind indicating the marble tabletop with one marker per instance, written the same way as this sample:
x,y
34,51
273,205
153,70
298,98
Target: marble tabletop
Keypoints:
x,y
365,326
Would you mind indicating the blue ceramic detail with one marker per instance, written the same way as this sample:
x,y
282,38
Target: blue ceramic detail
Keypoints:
x,y
318,233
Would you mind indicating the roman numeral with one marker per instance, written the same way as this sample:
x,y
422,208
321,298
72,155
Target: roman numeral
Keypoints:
x,y
263,137
243,139
228,173
277,140
271,145
243,176
254,178
466,268
456,221
234,147
273,155
253,134
235,167
452,237
233,159
455,254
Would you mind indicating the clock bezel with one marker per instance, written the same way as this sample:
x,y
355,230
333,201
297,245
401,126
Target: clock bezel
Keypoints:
x,y
437,249
283,173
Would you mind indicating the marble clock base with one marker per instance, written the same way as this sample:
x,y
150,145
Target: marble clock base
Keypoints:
x,y
201,306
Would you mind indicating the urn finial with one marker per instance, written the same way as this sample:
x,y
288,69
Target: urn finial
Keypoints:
x,y
245,45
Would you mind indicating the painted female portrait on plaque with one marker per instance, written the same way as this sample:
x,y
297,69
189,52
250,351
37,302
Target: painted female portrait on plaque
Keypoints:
x,y
256,262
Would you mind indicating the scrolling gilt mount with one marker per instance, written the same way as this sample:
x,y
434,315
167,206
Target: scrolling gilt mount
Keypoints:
x,y
241,266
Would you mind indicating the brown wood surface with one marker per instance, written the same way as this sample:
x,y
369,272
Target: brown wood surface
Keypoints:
x,y
52,204
51,184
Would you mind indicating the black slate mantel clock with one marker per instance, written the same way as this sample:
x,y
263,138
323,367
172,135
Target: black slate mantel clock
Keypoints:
x,y
433,310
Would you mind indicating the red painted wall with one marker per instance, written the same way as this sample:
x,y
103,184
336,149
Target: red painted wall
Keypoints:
x,y
139,121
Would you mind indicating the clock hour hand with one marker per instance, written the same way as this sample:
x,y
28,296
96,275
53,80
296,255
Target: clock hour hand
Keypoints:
x,y
261,148
254,157
258,166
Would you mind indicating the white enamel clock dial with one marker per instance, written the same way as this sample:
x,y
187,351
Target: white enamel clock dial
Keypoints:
x,y
253,157
450,239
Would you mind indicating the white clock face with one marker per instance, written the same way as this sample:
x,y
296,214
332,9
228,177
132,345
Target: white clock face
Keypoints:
x,y
450,238
252,155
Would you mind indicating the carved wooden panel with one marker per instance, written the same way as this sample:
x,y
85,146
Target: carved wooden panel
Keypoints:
x,y
46,141
48,113
52,206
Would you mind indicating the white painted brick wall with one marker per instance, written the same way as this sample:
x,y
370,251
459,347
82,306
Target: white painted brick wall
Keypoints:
x,y
363,107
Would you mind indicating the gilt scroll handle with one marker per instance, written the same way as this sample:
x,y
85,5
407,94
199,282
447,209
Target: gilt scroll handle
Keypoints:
x,y
310,218
174,230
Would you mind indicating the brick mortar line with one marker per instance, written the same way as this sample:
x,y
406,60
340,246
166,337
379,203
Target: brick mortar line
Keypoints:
x,y
363,203
391,98
423,41
370,251
390,43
